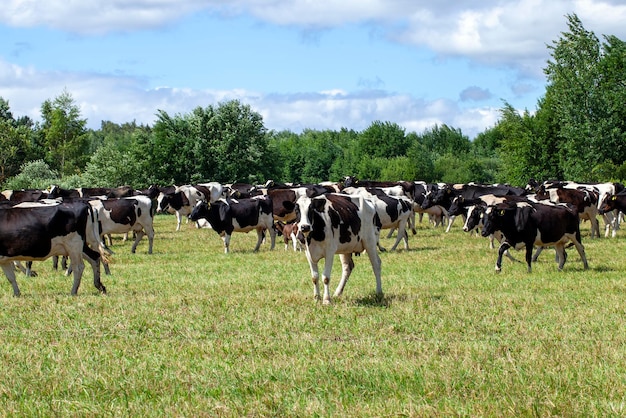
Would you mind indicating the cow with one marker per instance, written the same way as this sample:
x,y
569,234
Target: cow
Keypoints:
x,y
393,212
37,232
613,202
284,197
179,200
338,224
289,232
119,216
529,224
24,195
582,199
447,193
238,215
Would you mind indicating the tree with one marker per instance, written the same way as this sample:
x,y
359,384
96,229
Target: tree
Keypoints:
x,y
384,140
16,142
64,134
586,81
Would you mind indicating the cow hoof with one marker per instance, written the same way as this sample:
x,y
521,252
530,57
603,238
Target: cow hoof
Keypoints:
x,y
326,302
498,269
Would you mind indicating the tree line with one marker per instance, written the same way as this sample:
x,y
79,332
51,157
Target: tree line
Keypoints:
x,y
577,132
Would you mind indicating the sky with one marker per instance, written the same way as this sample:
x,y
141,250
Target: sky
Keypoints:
x,y
301,64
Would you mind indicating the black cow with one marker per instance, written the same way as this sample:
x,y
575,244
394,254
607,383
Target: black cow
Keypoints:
x,y
613,202
37,232
243,215
530,224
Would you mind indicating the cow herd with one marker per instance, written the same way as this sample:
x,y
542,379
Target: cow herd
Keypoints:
x,y
325,219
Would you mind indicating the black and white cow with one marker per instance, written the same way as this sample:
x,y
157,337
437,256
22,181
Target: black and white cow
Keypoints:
x,y
238,215
179,200
338,224
528,224
119,216
35,233
393,211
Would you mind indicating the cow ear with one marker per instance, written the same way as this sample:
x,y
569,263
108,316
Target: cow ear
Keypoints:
x,y
223,211
521,217
318,204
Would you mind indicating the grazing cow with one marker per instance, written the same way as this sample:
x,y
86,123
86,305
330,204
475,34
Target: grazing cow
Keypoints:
x,y
289,232
338,224
393,212
38,232
534,224
243,215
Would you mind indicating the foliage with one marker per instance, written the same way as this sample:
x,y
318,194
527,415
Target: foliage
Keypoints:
x,y
586,81
33,175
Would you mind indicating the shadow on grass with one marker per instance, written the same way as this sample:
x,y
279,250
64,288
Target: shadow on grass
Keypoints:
x,y
384,301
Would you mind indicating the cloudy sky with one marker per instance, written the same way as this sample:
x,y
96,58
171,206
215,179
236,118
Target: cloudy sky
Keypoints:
x,y
319,64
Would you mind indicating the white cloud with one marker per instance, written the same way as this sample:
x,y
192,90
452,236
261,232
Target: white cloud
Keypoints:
x,y
124,99
511,33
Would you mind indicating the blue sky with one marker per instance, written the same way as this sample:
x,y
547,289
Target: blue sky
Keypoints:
x,y
299,63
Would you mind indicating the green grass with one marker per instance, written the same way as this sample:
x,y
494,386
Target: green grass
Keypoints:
x,y
191,331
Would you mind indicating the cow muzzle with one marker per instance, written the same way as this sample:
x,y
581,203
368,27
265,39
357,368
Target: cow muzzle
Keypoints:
x,y
305,229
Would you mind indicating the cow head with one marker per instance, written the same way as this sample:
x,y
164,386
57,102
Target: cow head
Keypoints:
x,y
200,211
474,216
309,213
608,204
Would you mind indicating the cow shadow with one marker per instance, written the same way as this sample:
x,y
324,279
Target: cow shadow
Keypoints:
x,y
374,300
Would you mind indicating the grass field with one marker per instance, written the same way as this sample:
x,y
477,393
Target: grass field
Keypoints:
x,y
191,331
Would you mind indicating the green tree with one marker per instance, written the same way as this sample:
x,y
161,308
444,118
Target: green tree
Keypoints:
x,y
384,140
441,140
586,80
16,141
65,135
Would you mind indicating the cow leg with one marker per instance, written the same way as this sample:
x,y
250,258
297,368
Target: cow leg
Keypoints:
x,y
328,268
138,238
347,265
179,220
401,235
315,275
561,256
259,241
501,250
9,271
581,252
450,222
77,266
390,232
536,256
93,258
272,237
376,267
529,255
226,239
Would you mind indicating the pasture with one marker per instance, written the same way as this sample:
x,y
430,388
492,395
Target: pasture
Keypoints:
x,y
191,331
